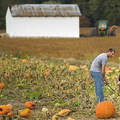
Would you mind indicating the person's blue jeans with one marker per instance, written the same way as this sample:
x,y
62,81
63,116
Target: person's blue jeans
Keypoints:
x,y
99,85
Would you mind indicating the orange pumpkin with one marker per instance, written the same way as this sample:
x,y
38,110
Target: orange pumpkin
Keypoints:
x,y
25,113
28,75
105,109
10,113
46,73
24,60
30,105
107,69
2,85
4,110
64,112
73,67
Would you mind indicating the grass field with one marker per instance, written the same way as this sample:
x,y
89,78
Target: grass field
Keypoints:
x,y
53,85
82,48
54,73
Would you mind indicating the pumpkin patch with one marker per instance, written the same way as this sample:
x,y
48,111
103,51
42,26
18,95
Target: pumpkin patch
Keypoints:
x,y
43,89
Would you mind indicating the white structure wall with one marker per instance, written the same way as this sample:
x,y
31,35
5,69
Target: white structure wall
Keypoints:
x,y
42,26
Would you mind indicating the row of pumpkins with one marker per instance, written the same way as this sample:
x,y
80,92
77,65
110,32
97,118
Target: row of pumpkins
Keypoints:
x,y
7,110
105,109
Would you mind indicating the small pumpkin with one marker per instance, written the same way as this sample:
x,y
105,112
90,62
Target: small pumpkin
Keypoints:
x,y
4,110
24,60
2,85
107,69
28,75
46,73
10,113
30,105
105,109
73,67
25,113
64,112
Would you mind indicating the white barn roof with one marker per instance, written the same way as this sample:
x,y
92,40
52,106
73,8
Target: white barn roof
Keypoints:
x,y
45,10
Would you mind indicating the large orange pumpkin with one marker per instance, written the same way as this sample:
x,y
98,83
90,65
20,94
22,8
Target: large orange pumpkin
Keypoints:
x,y
30,105
105,109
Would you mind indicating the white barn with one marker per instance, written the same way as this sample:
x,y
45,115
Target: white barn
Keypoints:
x,y
43,20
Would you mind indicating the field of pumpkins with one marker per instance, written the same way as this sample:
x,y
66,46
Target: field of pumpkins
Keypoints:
x,y
50,89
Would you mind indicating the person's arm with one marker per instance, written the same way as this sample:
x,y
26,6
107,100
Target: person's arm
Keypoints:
x,y
103,73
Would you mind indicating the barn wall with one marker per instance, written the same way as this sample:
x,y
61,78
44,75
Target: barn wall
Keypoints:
x,y
8,21
42,26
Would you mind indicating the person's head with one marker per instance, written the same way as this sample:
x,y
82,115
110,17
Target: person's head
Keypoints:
x,y
111,52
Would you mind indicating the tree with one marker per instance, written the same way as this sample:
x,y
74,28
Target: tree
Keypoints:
x,y
51,2
112,11
104,9
3,8
68,1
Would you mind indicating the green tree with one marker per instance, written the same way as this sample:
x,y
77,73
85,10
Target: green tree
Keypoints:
x,y
4,5
94,10
3,9
68,1
112,11
101,9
